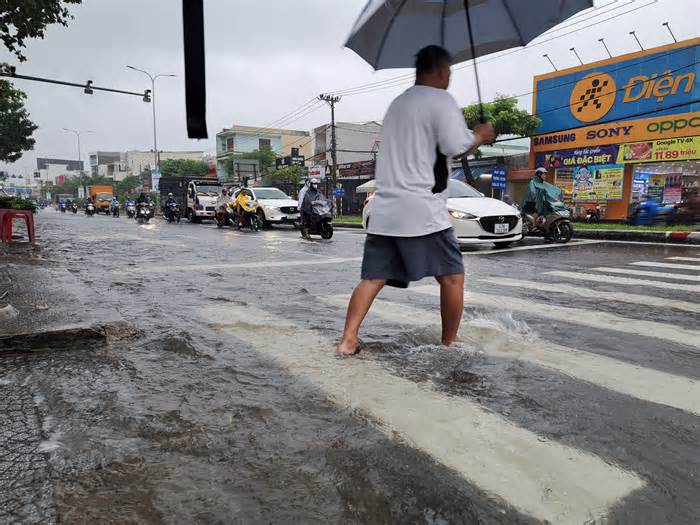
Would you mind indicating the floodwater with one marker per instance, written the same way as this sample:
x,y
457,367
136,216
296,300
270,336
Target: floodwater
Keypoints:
x,y
207,390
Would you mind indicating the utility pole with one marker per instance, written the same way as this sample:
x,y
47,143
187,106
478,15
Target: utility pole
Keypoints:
x,y
77,134
332,101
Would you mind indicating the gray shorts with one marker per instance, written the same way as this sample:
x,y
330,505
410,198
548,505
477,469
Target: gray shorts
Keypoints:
x,y
400,260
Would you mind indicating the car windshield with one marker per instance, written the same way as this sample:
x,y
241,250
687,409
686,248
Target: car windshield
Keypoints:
x,y
460,190
104,196
270,193
204,190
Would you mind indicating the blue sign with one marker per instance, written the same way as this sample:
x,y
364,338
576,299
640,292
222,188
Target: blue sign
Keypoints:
x,y
339,192
498,178
651,84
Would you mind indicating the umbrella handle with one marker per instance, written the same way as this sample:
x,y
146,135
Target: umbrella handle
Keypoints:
x,y
482,118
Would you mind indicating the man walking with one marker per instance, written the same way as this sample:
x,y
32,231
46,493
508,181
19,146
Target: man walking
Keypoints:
x,y
410,235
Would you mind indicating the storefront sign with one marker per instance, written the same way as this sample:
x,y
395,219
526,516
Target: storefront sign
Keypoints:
x,y
687,148
656,128
661,81
569,158
596,183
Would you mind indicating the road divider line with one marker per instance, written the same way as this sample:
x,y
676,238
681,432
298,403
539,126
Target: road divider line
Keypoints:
x,y
580,316
661,275
545,479
691,259
628,379
645,300
231,266
670,266
612,279
536,247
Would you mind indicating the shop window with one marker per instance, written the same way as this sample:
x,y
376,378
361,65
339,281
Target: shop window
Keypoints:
x,y
264,145
229,144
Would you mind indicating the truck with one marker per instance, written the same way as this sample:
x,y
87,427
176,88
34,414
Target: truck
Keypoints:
x,y
101,196
196,195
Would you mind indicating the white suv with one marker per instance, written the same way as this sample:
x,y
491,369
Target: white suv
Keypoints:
x,y
276,207
476,219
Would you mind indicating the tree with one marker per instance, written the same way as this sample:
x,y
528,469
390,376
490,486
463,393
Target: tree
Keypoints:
x,y
265,159
184,168
505,116
22,19
15,127
291,175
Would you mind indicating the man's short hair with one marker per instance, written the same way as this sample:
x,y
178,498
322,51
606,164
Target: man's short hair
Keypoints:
x,y
431,58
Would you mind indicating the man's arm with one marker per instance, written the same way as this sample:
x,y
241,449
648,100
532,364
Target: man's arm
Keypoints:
x,y
455,140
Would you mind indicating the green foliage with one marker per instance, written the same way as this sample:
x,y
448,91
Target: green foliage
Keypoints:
x,y
291,175
71,185
184,168
23,19
265,158
16,203
15,127
505,116
124,188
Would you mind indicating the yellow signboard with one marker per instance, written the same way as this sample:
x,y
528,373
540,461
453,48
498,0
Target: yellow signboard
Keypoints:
x,y
597,183
649,129
686,148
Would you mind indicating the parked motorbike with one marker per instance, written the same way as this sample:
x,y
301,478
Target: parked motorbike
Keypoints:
x,y
90,209
555,224
173,213
320,222
131,211
143,214
74,208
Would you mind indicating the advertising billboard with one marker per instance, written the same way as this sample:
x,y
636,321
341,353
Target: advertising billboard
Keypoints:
x,y
687,148
653,83
597,183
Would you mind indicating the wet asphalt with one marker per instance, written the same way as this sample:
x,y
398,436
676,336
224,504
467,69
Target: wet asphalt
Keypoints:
x,y
167,415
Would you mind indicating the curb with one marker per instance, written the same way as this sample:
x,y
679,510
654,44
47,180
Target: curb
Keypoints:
x,y
669,237
355,225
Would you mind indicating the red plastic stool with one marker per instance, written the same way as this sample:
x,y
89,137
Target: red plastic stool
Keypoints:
x,y
7,216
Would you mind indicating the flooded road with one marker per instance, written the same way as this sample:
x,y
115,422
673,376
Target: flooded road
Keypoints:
x,y
186,375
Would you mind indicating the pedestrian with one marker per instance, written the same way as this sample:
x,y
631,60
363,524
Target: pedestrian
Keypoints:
x,y
410,235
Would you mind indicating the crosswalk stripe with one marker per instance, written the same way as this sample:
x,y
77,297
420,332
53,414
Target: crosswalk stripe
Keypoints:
x,y
612,279
676,334
545,479
691,259
596,294
671,266
231,266
579,242
639,382
661,275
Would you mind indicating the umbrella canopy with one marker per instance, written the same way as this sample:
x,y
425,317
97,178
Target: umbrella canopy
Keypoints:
x,y
368,187
389,33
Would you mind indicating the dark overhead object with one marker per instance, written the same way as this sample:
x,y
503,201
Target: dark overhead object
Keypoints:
x,y
195,68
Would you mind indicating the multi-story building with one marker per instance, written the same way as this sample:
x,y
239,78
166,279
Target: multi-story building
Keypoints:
x,y
355,142
139,161
51,170
246,139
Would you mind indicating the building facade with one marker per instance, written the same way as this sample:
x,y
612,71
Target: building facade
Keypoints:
x,y
619,129
246,139
137,162
354,142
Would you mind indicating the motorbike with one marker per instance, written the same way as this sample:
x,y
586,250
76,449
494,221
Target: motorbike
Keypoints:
x,y
321,220
131,210
173,213
250,220
74,208
592,215
143,214
62,207
226,217
115,211
554,224
89,209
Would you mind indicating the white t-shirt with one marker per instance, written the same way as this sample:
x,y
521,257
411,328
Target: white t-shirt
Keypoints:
x,y
418,123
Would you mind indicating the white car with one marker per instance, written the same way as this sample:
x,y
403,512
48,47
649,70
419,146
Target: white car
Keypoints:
x,y
276,207
476,219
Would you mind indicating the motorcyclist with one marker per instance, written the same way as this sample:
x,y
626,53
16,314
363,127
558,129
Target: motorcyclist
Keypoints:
x,y
312,194
170,201
114,204
223,202
533,201
243,204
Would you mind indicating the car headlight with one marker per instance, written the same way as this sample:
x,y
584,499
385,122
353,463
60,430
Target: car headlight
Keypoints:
x,y
461,215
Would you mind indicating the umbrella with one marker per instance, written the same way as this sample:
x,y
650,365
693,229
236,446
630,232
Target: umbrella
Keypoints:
x,y
389,33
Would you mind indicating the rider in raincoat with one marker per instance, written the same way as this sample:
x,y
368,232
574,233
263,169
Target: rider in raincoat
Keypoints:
x,y
540,194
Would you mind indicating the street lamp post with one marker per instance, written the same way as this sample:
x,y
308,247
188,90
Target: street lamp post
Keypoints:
x,y
77,134
156,155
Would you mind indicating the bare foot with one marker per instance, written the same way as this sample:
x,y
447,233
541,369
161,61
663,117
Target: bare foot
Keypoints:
x,y
348,347
451,342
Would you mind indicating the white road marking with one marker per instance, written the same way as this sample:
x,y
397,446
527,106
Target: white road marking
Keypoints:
x,y
672,266
612,279
662,275
629,379
527,248
691,259
657,244
231,266
596,294
542,478
598,320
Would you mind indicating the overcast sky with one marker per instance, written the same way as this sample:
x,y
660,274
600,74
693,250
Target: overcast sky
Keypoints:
x,y
265,58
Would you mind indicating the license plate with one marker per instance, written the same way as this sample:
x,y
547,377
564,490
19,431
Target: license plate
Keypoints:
x,y
501,228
